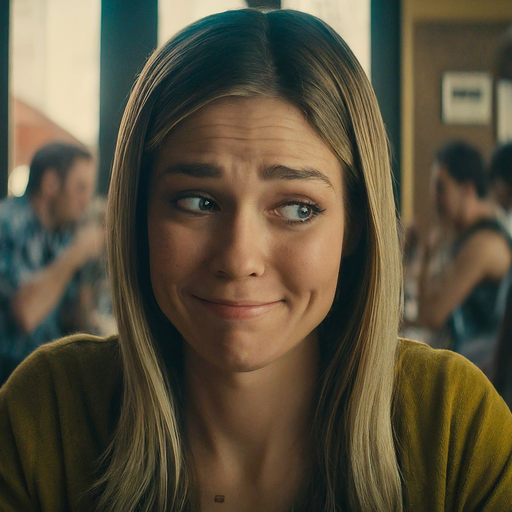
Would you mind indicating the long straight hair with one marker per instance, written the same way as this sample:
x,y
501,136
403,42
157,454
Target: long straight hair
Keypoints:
x,y
298,58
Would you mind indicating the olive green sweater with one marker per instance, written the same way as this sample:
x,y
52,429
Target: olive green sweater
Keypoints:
x,y
59,409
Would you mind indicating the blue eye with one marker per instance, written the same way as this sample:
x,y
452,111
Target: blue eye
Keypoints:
x,y
196,204
299,212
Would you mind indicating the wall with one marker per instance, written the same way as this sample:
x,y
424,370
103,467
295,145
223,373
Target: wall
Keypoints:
x,y
436,36
440,47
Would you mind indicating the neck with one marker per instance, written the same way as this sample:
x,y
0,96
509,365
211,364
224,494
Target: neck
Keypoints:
x,y
252,418
43,211
256,407
251,431
478,210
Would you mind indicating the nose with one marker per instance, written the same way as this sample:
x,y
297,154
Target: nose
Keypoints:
x,y
239,247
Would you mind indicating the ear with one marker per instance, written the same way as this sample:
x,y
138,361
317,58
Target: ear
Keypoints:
x,y
352,235
50,183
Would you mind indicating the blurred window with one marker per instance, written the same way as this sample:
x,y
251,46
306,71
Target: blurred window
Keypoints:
x,y
55,69
350,18
173,15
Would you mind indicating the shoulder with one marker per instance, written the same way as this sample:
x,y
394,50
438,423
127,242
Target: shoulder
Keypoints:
x,y
440,377
7,205
69,388
58,412
18,226
491,231
453,432
80,356
490,250
16,214
487,240
79,373
415,358
81,349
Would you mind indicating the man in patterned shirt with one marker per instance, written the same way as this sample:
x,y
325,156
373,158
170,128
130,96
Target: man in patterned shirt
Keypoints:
x,y
42,251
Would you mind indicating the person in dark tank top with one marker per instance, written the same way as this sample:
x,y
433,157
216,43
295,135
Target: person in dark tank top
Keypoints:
x,y
461,302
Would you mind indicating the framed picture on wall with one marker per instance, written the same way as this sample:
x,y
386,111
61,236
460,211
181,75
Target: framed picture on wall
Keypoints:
x,y
504,110
466,97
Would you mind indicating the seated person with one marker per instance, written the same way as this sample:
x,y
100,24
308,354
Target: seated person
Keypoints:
x,y
500,176
256,282
461,300
41,251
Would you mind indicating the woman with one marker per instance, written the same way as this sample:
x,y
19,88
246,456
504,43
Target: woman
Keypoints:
x,y
460,299
256,279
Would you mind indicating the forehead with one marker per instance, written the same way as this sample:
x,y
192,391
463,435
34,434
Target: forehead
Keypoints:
x,y
81,169
442,176
261,131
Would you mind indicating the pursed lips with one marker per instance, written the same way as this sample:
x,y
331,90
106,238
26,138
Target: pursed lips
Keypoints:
x,y
237,310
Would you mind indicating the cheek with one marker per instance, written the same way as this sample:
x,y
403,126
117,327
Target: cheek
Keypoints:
x,y
176,257
167,247
312,264
164,261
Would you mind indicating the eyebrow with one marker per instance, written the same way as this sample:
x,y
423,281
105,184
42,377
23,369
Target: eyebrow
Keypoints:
x,y
274,172
281,172
195,170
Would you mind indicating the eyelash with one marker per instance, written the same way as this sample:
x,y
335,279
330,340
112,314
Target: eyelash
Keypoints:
x,y
316,209
186,195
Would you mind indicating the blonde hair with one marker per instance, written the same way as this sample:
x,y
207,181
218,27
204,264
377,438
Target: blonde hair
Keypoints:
x,y
298,58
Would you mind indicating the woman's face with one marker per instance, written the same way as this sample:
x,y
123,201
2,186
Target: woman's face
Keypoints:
x,y
449,195
246,228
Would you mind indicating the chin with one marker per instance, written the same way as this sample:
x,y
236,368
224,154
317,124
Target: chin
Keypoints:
x,y
246,364
241,355
240,361
234,355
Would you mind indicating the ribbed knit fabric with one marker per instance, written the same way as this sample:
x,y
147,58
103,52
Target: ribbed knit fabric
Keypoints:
x,y
58,412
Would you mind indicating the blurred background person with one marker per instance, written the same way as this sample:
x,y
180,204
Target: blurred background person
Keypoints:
x,y
460,300
500,176
42,251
